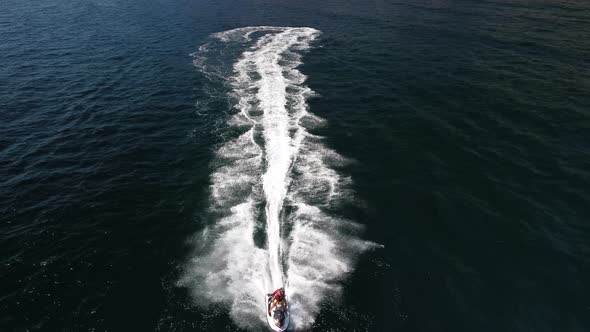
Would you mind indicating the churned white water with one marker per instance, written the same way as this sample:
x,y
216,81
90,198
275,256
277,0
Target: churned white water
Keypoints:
x,y
274,163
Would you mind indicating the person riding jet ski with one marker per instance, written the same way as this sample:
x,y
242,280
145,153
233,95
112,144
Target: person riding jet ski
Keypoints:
x,y
277,298
277,310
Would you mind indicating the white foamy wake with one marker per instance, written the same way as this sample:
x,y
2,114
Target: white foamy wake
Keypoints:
x,y
274,164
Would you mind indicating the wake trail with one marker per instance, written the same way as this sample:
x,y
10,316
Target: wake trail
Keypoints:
x,y
274,163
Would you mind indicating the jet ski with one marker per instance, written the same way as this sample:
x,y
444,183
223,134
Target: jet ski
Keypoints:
x,y
278,317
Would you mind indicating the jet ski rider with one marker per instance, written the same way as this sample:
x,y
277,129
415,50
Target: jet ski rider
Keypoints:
x,y
278,298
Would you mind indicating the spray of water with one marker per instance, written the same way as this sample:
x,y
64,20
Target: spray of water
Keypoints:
x,y
274,164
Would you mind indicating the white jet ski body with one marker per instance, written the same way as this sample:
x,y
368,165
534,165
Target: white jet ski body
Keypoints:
x,y
278,320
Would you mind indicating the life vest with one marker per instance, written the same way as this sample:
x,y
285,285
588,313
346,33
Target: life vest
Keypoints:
x,y
279,295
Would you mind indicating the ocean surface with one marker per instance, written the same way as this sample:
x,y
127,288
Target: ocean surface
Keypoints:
x,y
399,165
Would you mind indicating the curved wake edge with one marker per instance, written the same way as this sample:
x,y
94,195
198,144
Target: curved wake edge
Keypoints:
x,y
273,164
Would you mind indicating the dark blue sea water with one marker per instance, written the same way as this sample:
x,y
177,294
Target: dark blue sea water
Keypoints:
x,y
441,181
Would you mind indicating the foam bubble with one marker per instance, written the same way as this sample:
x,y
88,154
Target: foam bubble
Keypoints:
x,y
274,162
